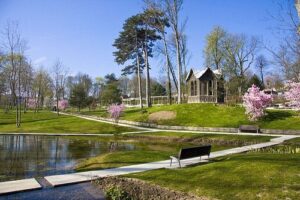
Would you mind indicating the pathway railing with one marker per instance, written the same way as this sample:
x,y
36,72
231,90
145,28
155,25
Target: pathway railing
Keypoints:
x,y
155,100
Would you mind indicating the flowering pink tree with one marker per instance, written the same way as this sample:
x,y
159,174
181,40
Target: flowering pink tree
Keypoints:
x,y
293,94
31,103
255,102
115,111
62,104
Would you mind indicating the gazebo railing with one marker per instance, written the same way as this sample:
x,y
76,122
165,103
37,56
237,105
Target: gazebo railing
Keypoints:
x,y
202,98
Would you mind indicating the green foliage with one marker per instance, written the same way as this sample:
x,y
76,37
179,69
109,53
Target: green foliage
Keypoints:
x,y
214,52
111,94
78,96
110,78
136,37
256,81
157,89
115,193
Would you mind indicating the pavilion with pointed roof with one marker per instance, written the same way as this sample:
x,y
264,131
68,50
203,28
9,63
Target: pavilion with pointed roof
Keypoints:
x,y
206,85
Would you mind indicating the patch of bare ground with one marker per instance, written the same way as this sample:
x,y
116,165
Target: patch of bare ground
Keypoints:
x,y
137,189
191,140
162,115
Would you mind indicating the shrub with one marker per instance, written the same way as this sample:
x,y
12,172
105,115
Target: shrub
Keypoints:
x,y
115,111
115,193
63,104
255,102
31,103
293,94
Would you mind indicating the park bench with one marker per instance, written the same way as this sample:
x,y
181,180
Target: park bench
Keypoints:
x,y
191,152
249,129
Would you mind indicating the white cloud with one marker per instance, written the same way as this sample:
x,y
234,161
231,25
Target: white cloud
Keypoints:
x,y
40,60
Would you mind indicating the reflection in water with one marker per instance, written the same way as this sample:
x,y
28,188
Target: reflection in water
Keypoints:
x,y
24,156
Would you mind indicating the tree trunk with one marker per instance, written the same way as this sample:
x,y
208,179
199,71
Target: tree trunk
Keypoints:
x,y
179,71
168,61
148,95
139,80
168,67
57,110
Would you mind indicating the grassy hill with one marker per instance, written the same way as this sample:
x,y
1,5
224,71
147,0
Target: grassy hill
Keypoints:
x,y
209,115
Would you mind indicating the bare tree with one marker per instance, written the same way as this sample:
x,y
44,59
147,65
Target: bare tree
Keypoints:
x,y
41,87
261,64
240,54
59,79
173,8
161,24
287,55
13,64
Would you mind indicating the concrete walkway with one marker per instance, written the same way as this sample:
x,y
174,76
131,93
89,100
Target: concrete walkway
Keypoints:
x,y
19,185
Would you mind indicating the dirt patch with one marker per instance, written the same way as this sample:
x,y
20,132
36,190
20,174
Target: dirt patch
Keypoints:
x,y
138,189
162,115
192,140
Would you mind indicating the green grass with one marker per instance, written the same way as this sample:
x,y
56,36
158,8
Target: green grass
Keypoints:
x,y
159,146
208,115
246,176
48,122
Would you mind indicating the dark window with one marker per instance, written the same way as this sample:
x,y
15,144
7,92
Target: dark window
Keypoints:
x,y
192,88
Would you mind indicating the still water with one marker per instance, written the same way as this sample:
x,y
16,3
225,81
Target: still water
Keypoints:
x,y
24,156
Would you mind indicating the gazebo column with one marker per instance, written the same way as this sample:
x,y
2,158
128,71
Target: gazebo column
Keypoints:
x,y
207,88
216,88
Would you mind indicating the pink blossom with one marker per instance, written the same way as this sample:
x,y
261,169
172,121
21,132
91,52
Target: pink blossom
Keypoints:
x,y
255,102
293,94
115,111
31,103
63,104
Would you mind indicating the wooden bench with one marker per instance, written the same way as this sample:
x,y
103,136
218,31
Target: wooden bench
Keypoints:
x,y
191,152
249,129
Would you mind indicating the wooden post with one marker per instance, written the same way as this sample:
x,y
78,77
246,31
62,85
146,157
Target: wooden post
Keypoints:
x,y
206,88
216,91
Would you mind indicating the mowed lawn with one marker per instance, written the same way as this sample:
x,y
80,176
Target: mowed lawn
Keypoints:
x,y
272,173
48,122
247,176
209,115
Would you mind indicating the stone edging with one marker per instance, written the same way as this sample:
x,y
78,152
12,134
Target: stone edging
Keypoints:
x,y
191,128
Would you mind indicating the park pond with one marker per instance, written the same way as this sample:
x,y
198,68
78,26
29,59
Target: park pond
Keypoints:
x,y
23,156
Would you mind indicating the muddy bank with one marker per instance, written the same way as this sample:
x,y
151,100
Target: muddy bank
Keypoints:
x,y
137,189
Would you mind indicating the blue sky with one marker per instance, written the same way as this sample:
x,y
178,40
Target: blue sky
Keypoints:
x,y
81,32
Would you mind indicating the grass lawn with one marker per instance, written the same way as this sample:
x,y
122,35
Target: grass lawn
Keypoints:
x,y
159,146
48,122
208,115
246,176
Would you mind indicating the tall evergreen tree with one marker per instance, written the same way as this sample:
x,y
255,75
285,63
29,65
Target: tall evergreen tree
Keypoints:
x,y
135,43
